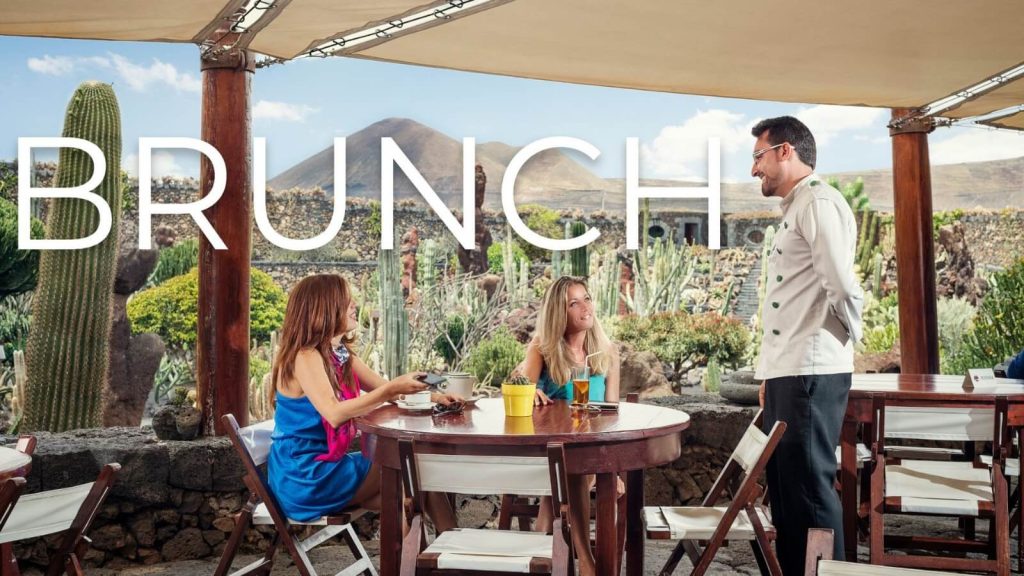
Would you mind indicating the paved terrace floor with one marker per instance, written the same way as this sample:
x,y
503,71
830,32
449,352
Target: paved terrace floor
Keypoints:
x,y
736,559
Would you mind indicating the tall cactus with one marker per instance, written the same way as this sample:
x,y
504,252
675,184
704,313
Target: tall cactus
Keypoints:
x,y
579,257
67,348
426,262
393,315
605,284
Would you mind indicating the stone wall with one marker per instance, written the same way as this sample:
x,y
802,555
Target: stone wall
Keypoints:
x,y
176,500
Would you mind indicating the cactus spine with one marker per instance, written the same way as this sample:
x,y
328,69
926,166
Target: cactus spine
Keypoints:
x,y
578,256
67,349
395,318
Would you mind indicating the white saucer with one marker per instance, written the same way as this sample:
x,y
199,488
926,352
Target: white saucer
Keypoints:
x,y
475,398
414,408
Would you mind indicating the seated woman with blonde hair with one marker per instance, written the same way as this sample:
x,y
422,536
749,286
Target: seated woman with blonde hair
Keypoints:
x,y
567,334
319,386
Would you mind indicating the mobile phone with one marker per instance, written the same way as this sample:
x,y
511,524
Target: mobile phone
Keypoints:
x,y
613,406
431,379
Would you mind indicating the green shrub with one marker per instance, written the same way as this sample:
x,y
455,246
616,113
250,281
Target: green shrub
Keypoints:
x,y
881,323
175,261
543,221
997,332
496,260
940,219
170,309
349,255
678,337
955,319
492,360
449,344
18,268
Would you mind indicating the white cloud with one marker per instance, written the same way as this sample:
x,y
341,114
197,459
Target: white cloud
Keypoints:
x,y
826,122
267,110
680,151
976,145
51,65
164,164
141,78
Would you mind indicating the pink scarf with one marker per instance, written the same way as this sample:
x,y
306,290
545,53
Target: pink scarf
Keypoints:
x,y
340,438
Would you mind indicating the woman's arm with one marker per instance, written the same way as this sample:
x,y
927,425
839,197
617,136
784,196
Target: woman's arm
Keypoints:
x,y
312,378
370,380
611,379
532,367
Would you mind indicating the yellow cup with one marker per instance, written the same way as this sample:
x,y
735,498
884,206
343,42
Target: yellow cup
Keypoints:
x,y
518,399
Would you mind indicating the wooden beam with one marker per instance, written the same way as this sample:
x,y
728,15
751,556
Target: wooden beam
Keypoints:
x,y
915,249
222,359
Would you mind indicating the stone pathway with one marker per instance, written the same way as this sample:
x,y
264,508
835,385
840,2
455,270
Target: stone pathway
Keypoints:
x,y
736,559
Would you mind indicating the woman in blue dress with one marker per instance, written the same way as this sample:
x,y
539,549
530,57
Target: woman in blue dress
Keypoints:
x,y
568,332
320,386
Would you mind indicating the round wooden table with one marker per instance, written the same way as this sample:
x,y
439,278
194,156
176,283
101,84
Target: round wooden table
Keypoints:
x,y
635,437
13,463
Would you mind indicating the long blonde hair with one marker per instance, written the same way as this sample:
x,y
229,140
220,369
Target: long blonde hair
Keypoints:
x,y
551,333
316,312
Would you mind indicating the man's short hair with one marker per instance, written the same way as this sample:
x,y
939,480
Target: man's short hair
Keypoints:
x,y
789,129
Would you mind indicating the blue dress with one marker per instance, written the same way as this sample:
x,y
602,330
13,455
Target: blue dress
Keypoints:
x,y
305,487
564,392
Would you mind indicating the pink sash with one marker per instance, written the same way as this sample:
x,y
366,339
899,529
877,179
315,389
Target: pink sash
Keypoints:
x,y
340,438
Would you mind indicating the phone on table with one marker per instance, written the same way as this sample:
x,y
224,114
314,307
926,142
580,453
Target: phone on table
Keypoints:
x,y
431,379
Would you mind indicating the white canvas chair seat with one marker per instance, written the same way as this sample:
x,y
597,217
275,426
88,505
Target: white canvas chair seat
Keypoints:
x,y
837,568
700,522
44,513
470,549
261,517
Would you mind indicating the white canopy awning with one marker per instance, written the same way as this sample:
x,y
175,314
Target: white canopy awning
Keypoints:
x,y
880,53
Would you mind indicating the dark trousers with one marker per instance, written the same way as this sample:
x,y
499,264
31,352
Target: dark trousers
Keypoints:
x,y
802,472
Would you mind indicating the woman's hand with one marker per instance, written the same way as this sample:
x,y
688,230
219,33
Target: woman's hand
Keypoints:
x,y
540,398
445,399
405,384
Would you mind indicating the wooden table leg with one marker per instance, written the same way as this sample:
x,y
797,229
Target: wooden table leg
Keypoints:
x,y
607,533
390,521
634,523
848,481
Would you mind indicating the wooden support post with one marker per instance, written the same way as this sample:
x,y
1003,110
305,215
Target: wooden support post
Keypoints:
x,y
222,359
915,249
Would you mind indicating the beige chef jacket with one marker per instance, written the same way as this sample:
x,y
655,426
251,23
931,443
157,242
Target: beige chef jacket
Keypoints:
x,y
811,315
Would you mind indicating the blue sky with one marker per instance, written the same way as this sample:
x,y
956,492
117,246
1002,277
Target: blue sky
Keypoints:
x,y
300,106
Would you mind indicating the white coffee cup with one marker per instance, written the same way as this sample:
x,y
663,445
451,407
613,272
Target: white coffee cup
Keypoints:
x,y
417,399
459,383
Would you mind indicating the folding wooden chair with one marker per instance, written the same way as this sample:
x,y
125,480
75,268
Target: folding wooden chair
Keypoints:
x,y
963,490
68,510
252,444
743,519
471,551
523,510
820,563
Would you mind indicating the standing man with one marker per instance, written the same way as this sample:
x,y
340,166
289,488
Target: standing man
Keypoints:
x,y
811,319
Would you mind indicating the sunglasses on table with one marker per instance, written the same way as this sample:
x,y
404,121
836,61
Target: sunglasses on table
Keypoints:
x,y
450,408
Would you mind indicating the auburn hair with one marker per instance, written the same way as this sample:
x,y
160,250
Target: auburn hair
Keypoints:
x,y
317,307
